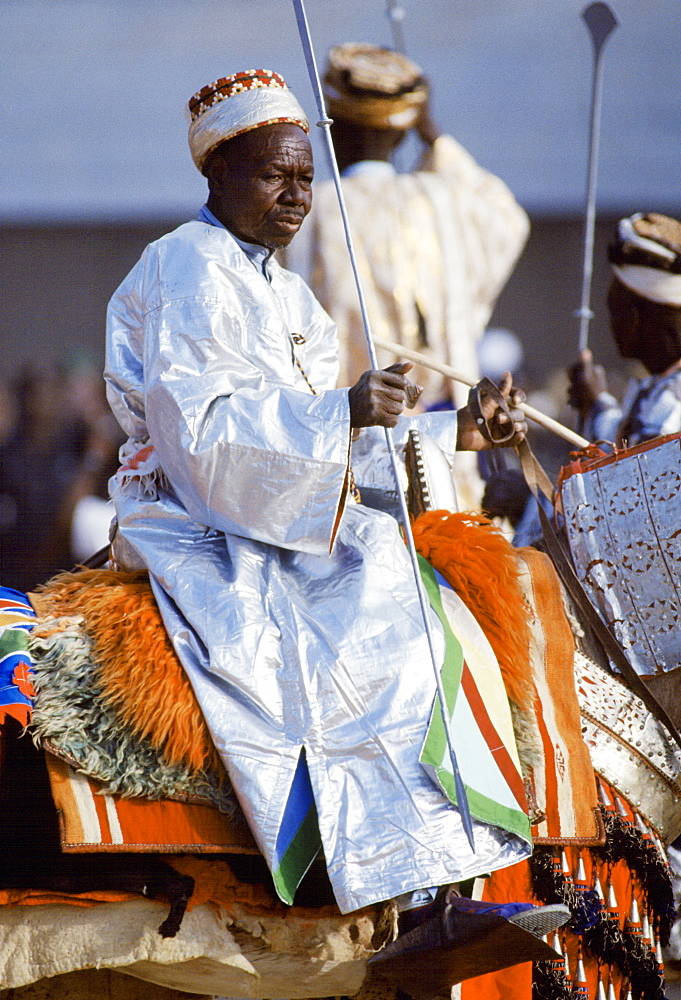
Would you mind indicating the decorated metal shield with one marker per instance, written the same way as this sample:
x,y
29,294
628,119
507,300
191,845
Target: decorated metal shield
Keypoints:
x,y
623,521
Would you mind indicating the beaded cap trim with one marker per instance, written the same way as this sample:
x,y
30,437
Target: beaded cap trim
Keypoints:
x,y
260,97
228,86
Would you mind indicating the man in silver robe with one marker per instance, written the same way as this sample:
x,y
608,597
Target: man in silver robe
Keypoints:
x,y
292,607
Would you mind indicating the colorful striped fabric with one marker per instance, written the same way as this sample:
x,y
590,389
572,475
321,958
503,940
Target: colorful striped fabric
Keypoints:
x,y
299,840
480,719
90,820
564,785
17,618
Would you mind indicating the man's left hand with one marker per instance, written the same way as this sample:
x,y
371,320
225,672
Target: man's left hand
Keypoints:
x,y
470,438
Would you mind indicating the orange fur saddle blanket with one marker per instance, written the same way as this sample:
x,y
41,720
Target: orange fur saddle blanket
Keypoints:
x,y
117,713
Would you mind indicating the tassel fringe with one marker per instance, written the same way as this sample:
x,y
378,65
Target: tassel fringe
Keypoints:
x,y
549,982
625,843
603,937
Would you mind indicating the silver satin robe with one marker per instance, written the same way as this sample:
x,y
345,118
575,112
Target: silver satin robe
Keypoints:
x,y
294,613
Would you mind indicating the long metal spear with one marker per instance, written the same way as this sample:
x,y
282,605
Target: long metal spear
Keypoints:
x,y
395,14
325,124
600,21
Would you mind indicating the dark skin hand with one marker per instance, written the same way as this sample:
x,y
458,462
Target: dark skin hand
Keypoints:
x,y
587,382
469,437
379,398
425,127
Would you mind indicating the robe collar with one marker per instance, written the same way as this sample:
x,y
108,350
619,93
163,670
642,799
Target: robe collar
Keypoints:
x,y
257,254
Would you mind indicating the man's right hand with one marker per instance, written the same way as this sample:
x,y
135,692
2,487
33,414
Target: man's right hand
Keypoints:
x,y
587,382
379,397
424,126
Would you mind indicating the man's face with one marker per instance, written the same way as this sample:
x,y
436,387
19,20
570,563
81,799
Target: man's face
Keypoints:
x,y
643,330
624,319
261,184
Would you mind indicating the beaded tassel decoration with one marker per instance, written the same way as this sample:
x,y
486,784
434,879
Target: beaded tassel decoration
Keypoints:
x,y
642,963
598,889
605,938
552,882
549,978
642,827
621,810
586,910
547,878
603,797
635,951
580,989
633,924
646,932
625,842
657,948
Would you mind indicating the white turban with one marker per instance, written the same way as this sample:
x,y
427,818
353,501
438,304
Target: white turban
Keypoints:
x,y
236,104
650,283
646,257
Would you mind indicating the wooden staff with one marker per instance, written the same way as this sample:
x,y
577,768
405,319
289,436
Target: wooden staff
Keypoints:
x,y
540,418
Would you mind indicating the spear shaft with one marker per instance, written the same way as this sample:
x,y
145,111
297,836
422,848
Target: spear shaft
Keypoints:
x,y
325,124
600,22
395,14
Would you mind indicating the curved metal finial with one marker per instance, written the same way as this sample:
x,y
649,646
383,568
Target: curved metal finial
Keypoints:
x,y
600,21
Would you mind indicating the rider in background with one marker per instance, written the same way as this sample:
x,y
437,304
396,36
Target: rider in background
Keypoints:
x,y
644,301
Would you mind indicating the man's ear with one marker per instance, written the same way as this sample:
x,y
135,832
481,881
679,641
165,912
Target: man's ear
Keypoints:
x,y
214,170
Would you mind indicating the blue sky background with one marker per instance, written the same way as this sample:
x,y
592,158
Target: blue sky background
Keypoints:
x,y
93,94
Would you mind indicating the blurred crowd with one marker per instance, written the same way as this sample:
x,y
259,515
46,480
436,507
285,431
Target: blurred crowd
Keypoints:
x,y
58,447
